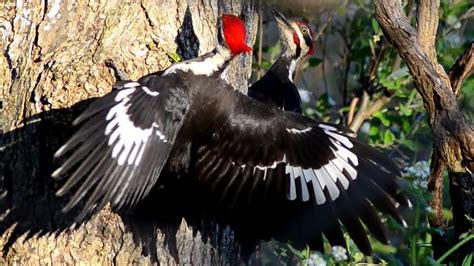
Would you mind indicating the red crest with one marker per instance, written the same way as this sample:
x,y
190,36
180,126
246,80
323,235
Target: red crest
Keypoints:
x,y
235,34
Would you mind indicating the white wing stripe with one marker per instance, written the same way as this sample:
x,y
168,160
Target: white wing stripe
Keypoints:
x,y
113,137
117,149
298,131
318,191
346,154
110,126
140,154
125,92
344,140
129,136
264,173
320,176
289,170
131,84
149,92
114,110
298,171
336,174
343,164
304,189
327,127
133,154
325,178
124,154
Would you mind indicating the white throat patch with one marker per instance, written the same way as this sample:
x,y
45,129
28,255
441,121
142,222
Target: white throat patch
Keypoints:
x,y
206,67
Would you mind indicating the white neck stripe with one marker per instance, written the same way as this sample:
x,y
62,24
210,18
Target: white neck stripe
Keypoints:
x,y
206,67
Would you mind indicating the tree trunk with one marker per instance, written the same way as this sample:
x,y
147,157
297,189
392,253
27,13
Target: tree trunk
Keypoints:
x,y
453,135
53,61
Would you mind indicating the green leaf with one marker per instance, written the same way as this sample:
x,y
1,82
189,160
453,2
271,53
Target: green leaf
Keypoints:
x,y
266,65
313,61
467,260
375,25
385,121
405,110
381,248
453,21
373,131
174,56
388,137
402,72
299,254
455,247
358,256
447,214
458,8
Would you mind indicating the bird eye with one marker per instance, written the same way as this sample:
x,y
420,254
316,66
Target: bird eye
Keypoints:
x,y
304,30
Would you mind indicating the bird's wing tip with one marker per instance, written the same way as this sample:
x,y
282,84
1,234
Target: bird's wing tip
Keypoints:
x,y
60,151
57,173
59,193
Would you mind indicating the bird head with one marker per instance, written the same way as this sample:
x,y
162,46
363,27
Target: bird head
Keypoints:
x,y
296,36
233,34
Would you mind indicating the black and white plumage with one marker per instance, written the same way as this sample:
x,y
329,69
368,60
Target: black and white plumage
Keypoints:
x,y
322,174
128,134
265,165
117,145
276,87
281,167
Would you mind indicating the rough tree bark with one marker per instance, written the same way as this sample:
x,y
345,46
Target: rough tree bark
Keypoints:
x,y
453,135
52,61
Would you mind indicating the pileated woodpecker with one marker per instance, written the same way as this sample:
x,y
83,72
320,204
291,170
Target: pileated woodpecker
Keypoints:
x,y
242,151
276,86
129,134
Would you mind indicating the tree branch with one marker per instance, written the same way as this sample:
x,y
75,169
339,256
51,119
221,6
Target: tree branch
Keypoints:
x,y
461,69
439,100
352,108
427,25
367,110
452,134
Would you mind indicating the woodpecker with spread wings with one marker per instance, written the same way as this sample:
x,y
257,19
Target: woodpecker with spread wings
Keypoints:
x,y
128,135
305,222
188,118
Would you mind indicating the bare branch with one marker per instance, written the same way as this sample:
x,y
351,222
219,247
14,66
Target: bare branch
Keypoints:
x,y
452,134
352,108
435,184
367,110
431,82
427,25
461,69
408,11
323,27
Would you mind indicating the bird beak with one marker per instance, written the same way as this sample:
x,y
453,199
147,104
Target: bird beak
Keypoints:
x,y
283,24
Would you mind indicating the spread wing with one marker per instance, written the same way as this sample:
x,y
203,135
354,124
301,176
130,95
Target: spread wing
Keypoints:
x,y
122,146
265,157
